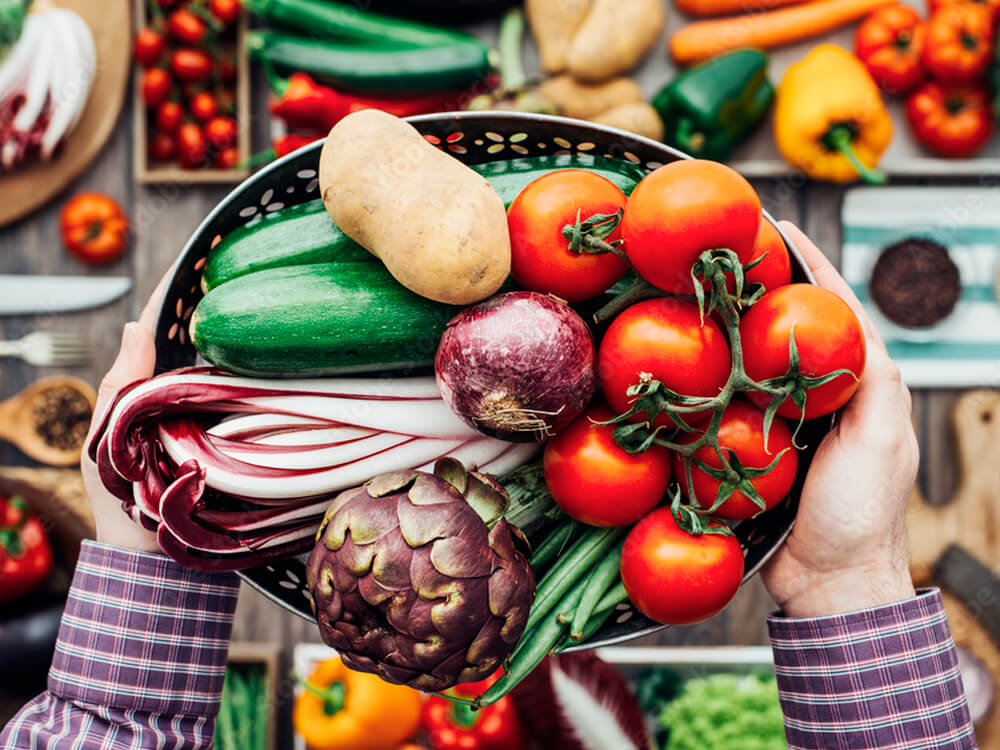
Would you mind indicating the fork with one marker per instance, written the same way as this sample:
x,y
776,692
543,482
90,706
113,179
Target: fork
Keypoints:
x,y
47,349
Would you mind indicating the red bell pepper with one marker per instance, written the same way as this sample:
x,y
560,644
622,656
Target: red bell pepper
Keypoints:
x,y
451,725
292,142
25,552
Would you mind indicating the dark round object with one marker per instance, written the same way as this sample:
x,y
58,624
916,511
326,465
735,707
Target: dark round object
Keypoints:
x,y
441,12
915,283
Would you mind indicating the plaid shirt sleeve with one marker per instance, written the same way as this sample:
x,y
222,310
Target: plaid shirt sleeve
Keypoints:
x,y
140,658
883,678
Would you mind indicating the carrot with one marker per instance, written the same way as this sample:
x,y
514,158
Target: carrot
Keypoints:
x,y
704,39
722,7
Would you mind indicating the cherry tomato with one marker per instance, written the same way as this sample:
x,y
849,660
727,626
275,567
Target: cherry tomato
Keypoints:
x,y
675,578
742,433
226,11
776,268
192,151
597,482
155,87
953,121
959,43
190,65
228,158
540,256
890,42
221,132
227,67
169,116
828,337
992,5
682,209
148,47
162,146
203,106
186,27
94,228
665,339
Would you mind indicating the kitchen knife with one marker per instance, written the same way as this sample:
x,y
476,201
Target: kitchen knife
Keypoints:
x,y
26,295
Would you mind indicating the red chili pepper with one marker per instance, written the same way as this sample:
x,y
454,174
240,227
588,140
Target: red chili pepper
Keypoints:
x,y
25,552
455,726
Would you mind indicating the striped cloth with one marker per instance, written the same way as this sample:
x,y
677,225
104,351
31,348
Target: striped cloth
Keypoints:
x,y
882,678
140,658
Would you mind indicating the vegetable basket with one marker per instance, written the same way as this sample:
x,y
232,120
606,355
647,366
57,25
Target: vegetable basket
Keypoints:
x,y
472,138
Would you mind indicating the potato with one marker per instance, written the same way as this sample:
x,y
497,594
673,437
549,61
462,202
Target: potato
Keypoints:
x,y
439,227
639,118
553,24
614,37
585,100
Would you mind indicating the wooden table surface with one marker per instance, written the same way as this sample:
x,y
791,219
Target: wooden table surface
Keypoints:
x,y
163,217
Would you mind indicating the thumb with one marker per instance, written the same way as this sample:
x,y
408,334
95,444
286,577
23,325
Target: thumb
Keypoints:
x,y
136,360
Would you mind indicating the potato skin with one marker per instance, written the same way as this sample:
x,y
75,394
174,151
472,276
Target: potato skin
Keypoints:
x,y
439,228
587,100
639,118
614,37
553,24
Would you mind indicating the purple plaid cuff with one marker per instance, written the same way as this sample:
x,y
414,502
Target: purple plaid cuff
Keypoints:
x,y
141,633
883,678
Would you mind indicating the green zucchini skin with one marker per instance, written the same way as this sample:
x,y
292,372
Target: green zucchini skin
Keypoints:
x,y
303,233
319,319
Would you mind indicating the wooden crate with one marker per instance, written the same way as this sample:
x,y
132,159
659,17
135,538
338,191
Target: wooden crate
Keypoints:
x,y
146,173
268,654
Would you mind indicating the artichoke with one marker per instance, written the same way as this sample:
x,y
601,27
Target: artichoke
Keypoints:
x,y
409,581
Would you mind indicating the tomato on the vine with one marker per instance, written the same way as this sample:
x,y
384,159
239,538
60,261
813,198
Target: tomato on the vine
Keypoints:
x,y
169,116
676,578
226,11
162,146
190,65
742,433
775,268
959,43
148,47
663,339
682,209
221,132
953,121
828,337
155,87
890,42
596,481
203,106
541,258
192,151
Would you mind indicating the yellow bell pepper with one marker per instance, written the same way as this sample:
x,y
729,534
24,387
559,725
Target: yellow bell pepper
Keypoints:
x,y
829,119
346,710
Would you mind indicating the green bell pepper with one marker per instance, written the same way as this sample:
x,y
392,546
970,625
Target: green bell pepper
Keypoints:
x,y
12,15
709,110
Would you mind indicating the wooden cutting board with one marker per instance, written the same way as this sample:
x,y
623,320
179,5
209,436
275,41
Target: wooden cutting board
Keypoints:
x,y
28,188
970,520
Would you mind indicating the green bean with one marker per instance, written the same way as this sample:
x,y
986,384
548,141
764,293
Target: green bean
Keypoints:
x,y
601,578
569,569
604,610
552,545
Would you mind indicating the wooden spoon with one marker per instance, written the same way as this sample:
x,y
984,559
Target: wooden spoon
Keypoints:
x,y
17,423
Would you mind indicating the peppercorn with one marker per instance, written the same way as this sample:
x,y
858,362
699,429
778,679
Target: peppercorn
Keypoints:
x,y
62,417
915,283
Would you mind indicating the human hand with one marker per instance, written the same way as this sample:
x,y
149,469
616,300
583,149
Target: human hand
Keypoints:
x,y
136,360
847,550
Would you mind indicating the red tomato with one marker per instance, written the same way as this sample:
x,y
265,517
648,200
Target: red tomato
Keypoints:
x,y
675,578
162,146
169,116
94,228
226,11
228,158
26,557
148,47
190,64
540,256
221,132
665,339
155,87
186,27
203,106
776,268
992,5
227,68
595,481
682,209
192,151
959,43
889,42
828,337
953,121
742,432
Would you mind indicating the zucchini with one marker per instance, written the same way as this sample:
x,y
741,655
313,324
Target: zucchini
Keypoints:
x,y
304,233
318,319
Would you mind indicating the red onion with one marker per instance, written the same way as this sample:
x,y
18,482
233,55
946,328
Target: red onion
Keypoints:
x,y
519,366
